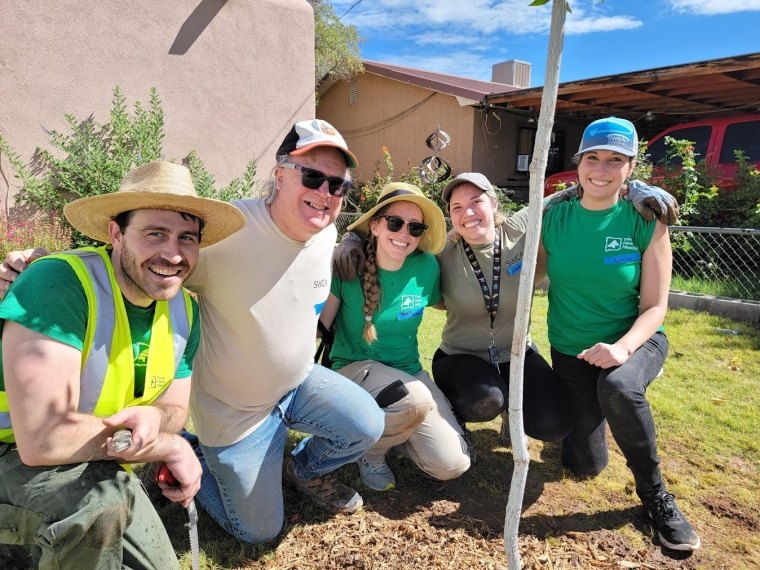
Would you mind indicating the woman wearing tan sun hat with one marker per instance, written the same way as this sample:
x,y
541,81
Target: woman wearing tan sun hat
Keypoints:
x,y
377,317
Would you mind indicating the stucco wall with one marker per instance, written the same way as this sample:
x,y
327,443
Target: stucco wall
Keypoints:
x,y
233,76
384,115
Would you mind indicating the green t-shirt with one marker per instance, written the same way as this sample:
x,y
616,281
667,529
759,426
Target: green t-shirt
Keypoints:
x,y
48,298
594,268
404,294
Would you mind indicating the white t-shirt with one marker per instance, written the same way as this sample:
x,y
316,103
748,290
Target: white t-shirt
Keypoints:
x,y
260,294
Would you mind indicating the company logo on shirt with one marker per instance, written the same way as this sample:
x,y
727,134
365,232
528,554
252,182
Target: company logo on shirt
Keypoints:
x,y
613,244
411,306
624,247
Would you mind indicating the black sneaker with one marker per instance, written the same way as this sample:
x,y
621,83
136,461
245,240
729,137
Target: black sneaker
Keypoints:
x,y
673,530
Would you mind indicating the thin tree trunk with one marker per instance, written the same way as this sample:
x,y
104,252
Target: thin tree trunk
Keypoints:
x,y
525,295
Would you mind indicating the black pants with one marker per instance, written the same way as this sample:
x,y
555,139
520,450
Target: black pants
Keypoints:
x,y
619,395
478,393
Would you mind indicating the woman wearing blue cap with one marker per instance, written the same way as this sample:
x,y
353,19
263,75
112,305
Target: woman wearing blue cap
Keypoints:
x,y
610,275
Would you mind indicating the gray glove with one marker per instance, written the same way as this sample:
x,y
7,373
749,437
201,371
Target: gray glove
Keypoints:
x,y
559,197
348,257
652,202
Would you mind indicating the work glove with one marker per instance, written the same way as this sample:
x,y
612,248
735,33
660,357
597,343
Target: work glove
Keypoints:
x,y
348,257
559,197
652,202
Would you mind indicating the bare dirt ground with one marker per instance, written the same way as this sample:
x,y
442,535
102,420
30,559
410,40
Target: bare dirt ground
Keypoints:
x,y
566,523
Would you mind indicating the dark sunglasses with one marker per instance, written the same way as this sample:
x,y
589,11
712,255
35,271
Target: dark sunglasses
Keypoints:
x,y
394,224
313,179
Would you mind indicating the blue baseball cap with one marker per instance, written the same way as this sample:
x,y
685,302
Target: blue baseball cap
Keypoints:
x,y
614,134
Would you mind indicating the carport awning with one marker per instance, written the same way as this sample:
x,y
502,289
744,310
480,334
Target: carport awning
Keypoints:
x,y
669,94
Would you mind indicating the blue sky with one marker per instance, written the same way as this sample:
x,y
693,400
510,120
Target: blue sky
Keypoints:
x,y
466,37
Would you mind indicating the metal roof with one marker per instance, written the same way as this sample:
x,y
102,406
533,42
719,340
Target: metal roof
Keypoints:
x,y
672,94
455,85
665,95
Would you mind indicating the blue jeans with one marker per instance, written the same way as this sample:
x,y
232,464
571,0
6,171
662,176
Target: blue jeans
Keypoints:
x,y
619,395
241,486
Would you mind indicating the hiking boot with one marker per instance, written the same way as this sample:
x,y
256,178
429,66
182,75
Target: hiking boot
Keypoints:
x,y
673,530
376,475
329,493
149,478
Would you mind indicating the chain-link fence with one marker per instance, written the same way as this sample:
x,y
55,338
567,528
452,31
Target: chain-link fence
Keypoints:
x,y
717,261
344,220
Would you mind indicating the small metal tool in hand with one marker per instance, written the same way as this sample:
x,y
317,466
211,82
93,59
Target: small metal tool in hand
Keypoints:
x,y
121,441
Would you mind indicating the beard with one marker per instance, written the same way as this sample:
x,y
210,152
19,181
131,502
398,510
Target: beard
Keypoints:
x,y
143,283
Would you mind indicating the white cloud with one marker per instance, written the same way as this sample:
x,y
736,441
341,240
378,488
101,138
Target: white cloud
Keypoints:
x,y
714,7
463,64
422,21
443,16
600,24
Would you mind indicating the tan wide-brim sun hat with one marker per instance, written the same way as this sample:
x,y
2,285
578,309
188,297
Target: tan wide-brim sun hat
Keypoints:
x,y
434,238
158,185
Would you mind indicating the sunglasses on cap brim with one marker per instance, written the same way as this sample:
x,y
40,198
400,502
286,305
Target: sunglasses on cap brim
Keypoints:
x,y
394,224
313,179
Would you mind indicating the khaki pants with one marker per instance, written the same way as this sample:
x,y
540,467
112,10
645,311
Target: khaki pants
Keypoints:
x,y
421,425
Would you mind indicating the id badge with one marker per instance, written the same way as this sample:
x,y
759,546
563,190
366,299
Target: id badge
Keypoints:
x,y
493,354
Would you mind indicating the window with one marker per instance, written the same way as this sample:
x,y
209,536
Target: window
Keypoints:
x,y
526,139
659,153
741,136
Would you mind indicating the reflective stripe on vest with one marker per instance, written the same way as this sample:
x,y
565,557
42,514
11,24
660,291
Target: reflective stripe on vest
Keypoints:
x,y
107,382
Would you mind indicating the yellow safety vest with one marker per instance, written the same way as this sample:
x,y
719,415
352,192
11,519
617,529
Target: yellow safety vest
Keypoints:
x,y
107,382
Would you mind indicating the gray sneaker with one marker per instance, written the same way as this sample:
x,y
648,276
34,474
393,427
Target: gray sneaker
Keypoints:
x,y
327,491
376,475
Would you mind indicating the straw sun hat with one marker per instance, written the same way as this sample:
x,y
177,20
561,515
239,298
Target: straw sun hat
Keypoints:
x,y
434,238
157,185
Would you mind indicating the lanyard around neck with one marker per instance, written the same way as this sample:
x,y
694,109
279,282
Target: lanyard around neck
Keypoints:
x,y
490,298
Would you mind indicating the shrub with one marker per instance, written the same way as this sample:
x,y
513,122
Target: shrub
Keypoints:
x,y
688,182
45,231
739,208
365,194
92,159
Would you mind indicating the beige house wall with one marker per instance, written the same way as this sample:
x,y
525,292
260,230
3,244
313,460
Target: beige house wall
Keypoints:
x,y
400,117
232,75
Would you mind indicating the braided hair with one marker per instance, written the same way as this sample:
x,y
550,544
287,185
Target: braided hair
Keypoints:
x,y
370,288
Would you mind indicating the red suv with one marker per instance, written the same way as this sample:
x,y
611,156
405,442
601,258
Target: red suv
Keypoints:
x,y
715,141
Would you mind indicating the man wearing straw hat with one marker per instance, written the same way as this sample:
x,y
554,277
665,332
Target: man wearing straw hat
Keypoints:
x,y
94,340
254,378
